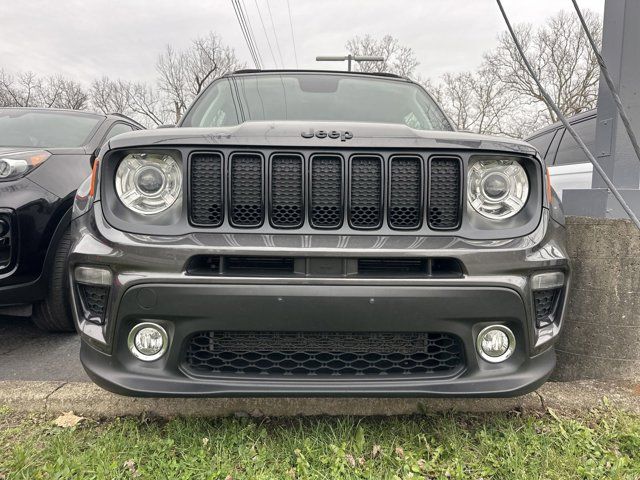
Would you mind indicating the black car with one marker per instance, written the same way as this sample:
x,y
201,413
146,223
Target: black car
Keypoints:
x,y
45,155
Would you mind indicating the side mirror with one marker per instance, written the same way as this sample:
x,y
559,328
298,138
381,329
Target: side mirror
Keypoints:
x,y
94,155
168,125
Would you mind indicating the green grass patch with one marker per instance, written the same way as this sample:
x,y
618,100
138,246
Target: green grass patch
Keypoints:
x,y
603,444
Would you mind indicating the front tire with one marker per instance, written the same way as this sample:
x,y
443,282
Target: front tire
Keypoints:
x,y
53,314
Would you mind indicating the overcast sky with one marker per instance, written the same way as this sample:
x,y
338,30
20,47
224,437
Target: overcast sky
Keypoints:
x,y
86,39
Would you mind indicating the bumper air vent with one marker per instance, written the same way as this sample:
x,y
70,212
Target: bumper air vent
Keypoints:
x,y
324,353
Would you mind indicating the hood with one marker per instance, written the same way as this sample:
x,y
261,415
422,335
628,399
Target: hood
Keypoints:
x,y
54,151
300,135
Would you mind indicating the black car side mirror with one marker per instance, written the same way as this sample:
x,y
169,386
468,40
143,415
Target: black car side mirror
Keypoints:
x,y
94,155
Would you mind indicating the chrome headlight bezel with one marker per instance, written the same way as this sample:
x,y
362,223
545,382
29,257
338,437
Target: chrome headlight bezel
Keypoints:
x,y
163,174
497,188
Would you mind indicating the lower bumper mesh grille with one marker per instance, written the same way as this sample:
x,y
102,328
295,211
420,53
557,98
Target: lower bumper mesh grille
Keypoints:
x,y
324,353
546,304
94,301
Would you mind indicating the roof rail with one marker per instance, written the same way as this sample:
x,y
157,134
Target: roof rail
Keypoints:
x,y
344,72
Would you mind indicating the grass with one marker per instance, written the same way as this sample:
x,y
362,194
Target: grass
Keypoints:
x,y
602,444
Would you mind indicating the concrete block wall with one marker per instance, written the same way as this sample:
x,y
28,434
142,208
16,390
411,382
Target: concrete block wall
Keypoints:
x,y
601,334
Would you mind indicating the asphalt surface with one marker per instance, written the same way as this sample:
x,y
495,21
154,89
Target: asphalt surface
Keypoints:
x,y
27,353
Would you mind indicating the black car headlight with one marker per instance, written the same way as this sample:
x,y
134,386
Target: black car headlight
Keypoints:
x,y
498,189
16,165
148,183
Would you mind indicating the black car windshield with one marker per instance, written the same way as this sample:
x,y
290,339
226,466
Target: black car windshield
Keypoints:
x,y
45,129
311,96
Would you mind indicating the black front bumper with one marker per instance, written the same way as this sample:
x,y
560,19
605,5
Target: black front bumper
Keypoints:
x,y
184,309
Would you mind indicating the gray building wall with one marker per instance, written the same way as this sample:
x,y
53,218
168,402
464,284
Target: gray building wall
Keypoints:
x,y
601,334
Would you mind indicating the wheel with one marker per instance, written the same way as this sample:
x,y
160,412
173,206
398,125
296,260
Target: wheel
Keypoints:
x,y
53,314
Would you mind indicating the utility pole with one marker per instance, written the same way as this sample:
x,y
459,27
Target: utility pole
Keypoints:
x,y
349,58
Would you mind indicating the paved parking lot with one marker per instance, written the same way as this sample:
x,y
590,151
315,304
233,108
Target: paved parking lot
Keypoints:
x,y
27,353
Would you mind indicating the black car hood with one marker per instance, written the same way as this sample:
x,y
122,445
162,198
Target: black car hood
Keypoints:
x,y
290,134
54,151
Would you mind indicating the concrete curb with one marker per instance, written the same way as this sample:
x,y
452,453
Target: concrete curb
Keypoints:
x,y
89,400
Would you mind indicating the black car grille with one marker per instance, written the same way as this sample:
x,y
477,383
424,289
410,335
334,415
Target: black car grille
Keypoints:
x,y
94,301
247,190
287,183
326,191
287,191
324,353
365,192
206,189
546,303
405,187
444,193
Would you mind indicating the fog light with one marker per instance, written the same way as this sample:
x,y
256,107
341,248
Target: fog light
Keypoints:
x,y
148,341
496,343
93,276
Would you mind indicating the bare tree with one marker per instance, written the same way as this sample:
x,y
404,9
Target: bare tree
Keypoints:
x,y
398,59
60,92
25,89
183,75
562,58
136,99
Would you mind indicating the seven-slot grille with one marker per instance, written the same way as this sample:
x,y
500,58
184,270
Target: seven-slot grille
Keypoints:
x,y
286,190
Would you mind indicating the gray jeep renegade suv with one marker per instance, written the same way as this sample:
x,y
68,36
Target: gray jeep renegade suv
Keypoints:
x,y
317,233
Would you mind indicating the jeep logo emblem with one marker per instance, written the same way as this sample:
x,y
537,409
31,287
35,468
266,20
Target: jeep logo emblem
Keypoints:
x,y
343,135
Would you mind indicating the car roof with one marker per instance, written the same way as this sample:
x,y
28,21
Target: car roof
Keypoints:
x,y
57,110
251,71
574,119
75,112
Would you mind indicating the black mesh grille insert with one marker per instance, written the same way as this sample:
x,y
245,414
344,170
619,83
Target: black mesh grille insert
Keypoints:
x,y
324,353
365,196
444,193
247,202
326,191
206,189
405,192
546,302
287,201
94,299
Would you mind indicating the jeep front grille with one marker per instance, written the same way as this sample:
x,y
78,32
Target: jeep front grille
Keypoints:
x,y
291,190
247,190
324,353
327,184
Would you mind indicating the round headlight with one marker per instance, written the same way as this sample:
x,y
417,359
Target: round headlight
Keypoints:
x,y
498,188
148,183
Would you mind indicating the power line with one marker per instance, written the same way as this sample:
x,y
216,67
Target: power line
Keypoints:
x,y
245,32
293,38
253,37
264,29
273,26
248,34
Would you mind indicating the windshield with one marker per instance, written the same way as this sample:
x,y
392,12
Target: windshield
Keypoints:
x,y
299,96
45,129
